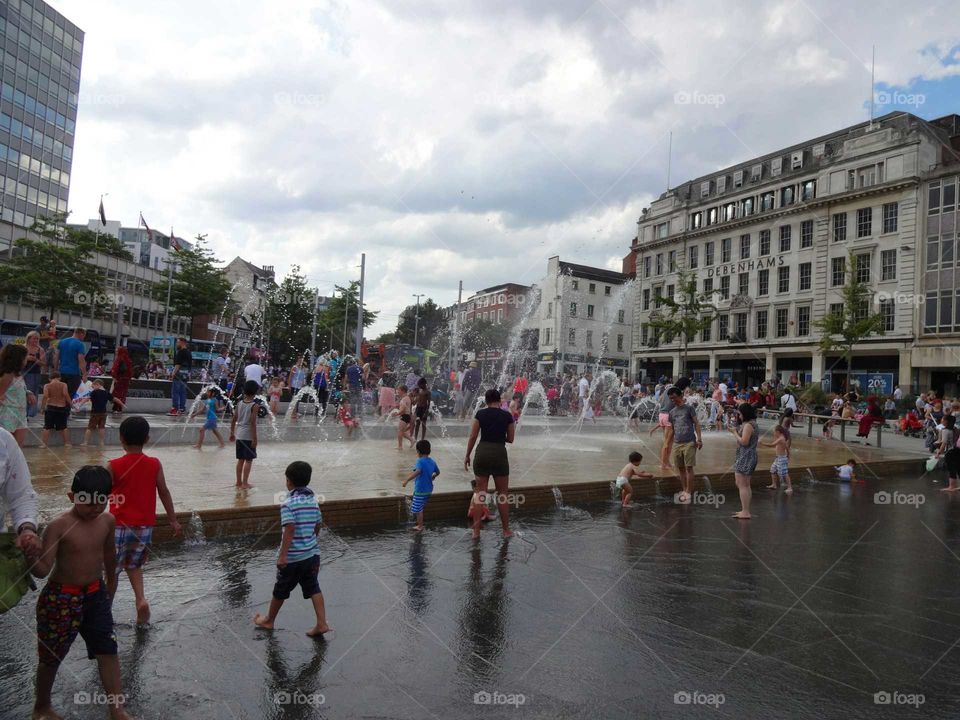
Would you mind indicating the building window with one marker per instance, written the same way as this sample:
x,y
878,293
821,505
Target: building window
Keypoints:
x,y
657,296
644,334
574,284
864,222
764,242
783,279
808,190
766,201
806,275
787,196
696,220
835,309
744,247
500,315
729,212
646,298
708,286
660,231
746,207
572,336
646,266
761,324
546,336
606,290
549,310
692,257
723,327
659,263
620,343
838,271
782,322
933,198
589,338
949,195
708,254
725,250
573,309
706,334
763,282
590,311
888,313
863,267
740,326
891,211
803,321
712,216
620,315
592,288
786,232
670,291
806,234
888,265
743,283
671,261
839,227
725,287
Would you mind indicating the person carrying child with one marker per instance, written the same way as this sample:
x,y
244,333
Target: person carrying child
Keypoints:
x,y
298,560
211,405
425,472
77,553
630,471
780,467
138,481
243,430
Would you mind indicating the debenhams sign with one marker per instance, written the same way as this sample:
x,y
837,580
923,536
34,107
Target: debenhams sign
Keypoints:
x,y
745,266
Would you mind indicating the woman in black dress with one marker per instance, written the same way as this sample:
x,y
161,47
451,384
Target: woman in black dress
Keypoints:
x,y
495,428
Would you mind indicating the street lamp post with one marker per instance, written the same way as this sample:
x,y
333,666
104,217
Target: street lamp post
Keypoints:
x,y
416,319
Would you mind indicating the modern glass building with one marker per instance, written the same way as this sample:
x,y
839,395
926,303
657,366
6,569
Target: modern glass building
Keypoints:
x,y
40,75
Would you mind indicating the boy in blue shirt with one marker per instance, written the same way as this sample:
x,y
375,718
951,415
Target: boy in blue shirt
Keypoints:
x,y
211,405
298,561
425,472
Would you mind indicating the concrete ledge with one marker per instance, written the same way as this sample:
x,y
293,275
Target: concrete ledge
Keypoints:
x,y
392,511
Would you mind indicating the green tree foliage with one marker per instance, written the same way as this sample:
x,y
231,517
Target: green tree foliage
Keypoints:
x,y
844,330
432,322
330,323
290,314
484,335
683,316
198,286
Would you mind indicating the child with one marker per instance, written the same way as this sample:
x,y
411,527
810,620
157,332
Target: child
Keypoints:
x,y
243,429
663,423
630,470
786,422
274,392
345,417
780,466
138,481
77,552
422,398
846,472
950,452
515,406
98,412
211,401
478,510
425,472
405,428
56,409
298,561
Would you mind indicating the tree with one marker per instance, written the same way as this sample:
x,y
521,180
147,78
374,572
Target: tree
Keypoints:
x,y
431,321
290,309
853,323
198,286
685,315
483,335
387,338
54,272
343,306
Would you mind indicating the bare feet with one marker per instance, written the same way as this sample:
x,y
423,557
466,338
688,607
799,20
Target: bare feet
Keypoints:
x,y
949,489
317,631
772,487
261,622
246,486
45,713
476,534
143,613
742,515
507,534
222,446
418,528
197,447
788,491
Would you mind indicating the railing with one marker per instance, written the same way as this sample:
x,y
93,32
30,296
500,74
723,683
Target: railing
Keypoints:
x,y
836,420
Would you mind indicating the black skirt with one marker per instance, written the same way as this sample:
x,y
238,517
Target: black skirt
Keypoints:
x,y
491,459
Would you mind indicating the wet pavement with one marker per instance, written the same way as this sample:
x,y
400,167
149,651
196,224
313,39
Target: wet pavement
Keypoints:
x,y
823,600
363,468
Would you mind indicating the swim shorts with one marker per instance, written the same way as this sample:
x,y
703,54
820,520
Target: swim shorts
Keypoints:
x,y
63,611
303,573
780,466
133,545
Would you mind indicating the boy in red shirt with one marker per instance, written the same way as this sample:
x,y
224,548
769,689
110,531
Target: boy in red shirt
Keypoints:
x,y
137,483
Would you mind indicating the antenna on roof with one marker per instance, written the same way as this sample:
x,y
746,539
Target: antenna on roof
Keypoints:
x,y
669,158
873,95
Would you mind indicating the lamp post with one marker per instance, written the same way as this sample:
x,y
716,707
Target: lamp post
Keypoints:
x,y
416,319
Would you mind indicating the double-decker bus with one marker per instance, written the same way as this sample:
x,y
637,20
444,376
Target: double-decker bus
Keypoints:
x,y
15,331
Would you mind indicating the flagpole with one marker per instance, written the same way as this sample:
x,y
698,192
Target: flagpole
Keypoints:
x,y
166,323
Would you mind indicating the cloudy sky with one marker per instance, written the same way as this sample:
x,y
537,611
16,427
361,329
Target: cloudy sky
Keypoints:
x,y
463,139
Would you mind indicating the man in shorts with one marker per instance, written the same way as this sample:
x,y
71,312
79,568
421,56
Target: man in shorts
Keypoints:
x,y
687,439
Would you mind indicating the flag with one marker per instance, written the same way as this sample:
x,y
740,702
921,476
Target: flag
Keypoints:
x,y
149,231
174,244
103,214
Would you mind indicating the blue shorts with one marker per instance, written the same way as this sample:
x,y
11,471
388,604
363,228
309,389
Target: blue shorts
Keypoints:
x,y
418,502
303,573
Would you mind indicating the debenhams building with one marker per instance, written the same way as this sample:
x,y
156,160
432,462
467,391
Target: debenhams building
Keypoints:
x,y
772,237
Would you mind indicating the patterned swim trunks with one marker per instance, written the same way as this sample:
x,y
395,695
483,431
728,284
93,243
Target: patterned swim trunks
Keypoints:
x,y
133,545
63,611
780,466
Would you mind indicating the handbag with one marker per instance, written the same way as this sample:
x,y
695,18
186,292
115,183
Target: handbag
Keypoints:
x,y
934,463
15,577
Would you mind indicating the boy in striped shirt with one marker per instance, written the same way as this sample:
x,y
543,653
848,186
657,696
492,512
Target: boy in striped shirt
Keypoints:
x,y
298,561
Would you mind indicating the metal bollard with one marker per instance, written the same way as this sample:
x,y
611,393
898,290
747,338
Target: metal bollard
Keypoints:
x,y
810,426
843,430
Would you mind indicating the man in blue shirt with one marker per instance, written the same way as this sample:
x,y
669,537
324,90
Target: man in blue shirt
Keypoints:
x,y
71,360
425,471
